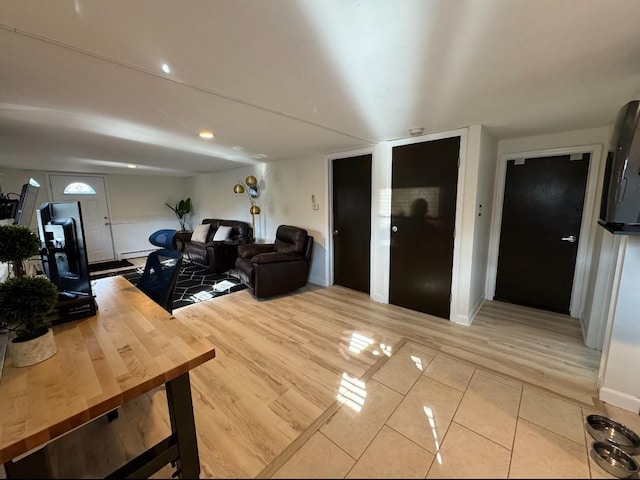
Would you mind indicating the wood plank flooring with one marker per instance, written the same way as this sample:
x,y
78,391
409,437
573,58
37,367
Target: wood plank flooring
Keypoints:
x,y
279,363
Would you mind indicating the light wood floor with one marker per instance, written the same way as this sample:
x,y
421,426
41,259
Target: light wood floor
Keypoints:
x,y
280,361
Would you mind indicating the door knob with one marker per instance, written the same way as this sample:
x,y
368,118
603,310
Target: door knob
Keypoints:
x,y
570,239
335,232
394,229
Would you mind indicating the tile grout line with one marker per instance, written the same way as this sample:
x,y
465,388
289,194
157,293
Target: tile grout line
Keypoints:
x,y
515,432
444,437
402,342
315,426
289,451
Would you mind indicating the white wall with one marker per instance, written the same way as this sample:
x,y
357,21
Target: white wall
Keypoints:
x,y
137,209
381,227
554,140
473,229
600,288
286,188
136,203
620,384
485,184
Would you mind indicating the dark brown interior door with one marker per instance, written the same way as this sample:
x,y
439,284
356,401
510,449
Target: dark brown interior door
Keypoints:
x,y
423,211
541,218
352,222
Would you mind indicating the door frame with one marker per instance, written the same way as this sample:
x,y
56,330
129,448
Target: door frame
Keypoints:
x,y
330,246
459,295
106,193
587,226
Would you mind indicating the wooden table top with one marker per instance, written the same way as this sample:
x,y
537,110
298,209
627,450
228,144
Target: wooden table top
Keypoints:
x,y
131,346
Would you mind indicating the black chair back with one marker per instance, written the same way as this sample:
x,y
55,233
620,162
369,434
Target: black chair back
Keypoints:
x,y
160,275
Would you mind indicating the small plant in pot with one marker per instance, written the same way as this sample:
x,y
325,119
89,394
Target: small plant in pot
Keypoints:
x,y
24,303
182,209
17,244
25,300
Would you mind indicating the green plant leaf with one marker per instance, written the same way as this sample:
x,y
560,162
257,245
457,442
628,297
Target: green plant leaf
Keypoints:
x,y
24,302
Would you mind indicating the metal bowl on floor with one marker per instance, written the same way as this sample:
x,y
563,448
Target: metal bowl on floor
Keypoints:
x,y
604,429
614,460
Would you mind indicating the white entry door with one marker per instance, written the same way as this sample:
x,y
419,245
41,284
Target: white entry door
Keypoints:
x,y
91,192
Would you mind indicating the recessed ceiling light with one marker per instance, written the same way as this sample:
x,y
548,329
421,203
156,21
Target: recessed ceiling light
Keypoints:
x,y
416,131
166,68
206,134
132,166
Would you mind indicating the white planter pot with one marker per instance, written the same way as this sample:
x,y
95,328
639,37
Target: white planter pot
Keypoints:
x,y
36,350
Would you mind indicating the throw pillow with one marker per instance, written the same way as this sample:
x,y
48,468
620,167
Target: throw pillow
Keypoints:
x,y
222,234
200,233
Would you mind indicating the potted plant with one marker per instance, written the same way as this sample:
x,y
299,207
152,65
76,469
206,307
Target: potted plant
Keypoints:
x,y
25,300
17,243
24,303
182,209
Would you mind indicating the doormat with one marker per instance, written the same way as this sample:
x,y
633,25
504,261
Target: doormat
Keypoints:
x,y
96,267
195,284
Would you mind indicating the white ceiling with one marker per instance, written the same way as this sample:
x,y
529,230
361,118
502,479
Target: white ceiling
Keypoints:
x,y
81,85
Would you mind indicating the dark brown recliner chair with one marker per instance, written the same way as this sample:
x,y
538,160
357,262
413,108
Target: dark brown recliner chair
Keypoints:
x,y
216,256
276,268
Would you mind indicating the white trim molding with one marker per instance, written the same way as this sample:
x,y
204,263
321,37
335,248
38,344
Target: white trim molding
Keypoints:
x,y
620,399
587,228
329,198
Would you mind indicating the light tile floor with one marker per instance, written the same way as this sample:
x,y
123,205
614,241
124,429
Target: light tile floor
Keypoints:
x,y
425,414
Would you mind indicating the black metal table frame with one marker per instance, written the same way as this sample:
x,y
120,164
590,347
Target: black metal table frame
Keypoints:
x,y
180,448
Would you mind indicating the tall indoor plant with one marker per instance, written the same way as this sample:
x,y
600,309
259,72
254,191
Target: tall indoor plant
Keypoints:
x,y
182,209
25,300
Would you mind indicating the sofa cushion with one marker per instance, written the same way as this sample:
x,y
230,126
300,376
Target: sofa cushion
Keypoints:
x,y
222,233
200,233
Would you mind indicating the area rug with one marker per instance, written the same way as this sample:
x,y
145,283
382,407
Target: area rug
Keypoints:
x,y
96,267
195,284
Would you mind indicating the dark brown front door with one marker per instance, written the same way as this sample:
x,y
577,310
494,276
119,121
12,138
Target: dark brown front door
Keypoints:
x,y
541,218
352,222
423,211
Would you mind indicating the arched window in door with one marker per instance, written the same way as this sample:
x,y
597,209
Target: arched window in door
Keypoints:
x,y
79,188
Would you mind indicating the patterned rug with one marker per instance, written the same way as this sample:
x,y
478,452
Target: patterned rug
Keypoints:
x,y
195,284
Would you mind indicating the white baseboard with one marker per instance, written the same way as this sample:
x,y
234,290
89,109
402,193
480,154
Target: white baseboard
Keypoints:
x,y
320,281
379,298
619,399
474,311
461,320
